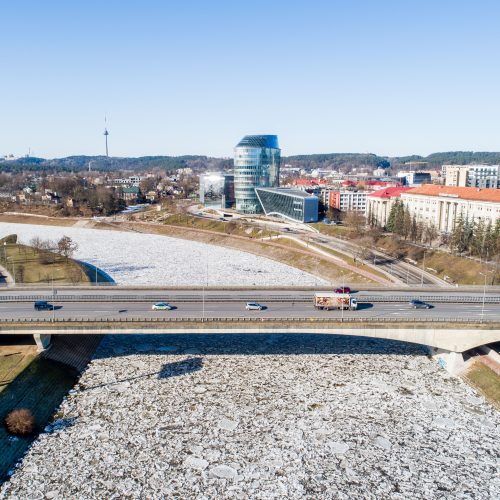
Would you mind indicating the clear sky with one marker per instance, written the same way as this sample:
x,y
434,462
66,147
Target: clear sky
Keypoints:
x,y
391,77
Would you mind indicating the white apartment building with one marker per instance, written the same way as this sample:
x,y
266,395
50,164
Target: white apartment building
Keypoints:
x,y
480,176
379,204
348,200
442,205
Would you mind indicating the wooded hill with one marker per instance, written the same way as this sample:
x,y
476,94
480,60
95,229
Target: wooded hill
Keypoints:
x,y
337,161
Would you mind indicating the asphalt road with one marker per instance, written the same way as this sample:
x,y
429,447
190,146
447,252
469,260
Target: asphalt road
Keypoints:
x,y
403,271
96,310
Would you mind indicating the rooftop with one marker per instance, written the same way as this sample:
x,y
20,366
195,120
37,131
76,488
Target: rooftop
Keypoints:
x,y
288,192
465,193
259,141
390,192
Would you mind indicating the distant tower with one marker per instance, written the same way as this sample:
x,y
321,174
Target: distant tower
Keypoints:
x,y
106,133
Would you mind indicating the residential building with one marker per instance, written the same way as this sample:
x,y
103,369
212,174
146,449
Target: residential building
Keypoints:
x,y
292,204
484,176
442,205
131,193
480,176
217,190
256,164
379,204
345,200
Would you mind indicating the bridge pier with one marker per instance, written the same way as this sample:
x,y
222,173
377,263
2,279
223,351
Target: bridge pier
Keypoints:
x,y
453,362
42,341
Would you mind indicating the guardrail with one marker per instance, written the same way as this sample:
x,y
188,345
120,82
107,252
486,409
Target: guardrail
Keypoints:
x,y
488,299
166,321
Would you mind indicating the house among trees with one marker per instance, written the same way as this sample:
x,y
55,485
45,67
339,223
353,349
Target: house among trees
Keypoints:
x,y
131,194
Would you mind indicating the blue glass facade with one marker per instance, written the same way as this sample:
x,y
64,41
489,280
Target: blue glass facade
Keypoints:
x,y
290,204
256,164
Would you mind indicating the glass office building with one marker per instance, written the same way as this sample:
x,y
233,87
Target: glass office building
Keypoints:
x,y
256,164
217,190
291,204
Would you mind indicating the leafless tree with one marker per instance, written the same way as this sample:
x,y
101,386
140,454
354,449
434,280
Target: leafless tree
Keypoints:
x,y
66,246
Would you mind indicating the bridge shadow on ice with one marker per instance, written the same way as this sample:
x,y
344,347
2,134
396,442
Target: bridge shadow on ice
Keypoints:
x,y
251,344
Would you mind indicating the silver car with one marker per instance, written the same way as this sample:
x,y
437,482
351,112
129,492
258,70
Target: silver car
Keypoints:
x,y
254,306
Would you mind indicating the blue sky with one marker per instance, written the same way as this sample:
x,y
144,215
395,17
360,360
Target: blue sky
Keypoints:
x,y
191,77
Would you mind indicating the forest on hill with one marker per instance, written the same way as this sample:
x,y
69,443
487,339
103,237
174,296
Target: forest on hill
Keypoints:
x,y
337,161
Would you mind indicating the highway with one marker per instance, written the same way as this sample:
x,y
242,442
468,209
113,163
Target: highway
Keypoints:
x,y
236,309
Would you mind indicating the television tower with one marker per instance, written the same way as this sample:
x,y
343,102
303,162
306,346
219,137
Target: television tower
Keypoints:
x,y
106,133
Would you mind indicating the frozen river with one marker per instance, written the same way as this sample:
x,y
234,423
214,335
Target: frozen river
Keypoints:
x,y
264,417
141,259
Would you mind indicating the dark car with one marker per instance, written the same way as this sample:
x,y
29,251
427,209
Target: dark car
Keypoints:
x,y
342,289
43,305
419,304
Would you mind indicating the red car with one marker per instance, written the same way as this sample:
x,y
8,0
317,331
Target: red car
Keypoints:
x,y
342,289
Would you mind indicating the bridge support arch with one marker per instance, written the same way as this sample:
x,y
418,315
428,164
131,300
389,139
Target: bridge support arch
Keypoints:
x,y
453,362
42,341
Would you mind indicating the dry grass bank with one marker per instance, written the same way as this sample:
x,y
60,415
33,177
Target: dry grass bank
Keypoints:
x,y
486,381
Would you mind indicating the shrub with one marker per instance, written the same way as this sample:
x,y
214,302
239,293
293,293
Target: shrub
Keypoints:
x,y
20,421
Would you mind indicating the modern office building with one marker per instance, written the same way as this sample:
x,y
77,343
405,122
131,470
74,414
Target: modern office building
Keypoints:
x,y
291,204
256,165
217,190
414,178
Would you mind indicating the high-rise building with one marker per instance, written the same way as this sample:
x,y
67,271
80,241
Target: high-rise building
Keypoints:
x,y
256,164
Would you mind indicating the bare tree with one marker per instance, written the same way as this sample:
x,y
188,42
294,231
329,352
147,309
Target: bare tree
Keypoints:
x,y
37,243
356,220
66,246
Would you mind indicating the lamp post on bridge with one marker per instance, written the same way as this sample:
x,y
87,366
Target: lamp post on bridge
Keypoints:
x,y
423,267
484,292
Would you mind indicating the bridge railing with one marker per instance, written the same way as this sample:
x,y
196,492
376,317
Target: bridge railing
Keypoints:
x,y
167,321
465,299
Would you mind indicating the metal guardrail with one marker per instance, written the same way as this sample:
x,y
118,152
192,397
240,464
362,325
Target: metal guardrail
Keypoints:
x,y
164,321
488,299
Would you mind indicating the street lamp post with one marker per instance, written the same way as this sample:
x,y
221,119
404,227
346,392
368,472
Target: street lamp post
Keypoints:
x,y
484,293
423,267
13,268
343,291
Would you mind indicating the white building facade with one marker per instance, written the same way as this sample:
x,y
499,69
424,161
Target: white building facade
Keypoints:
x,y
443,205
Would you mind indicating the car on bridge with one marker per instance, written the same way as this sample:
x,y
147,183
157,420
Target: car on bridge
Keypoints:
x,y
43,305
419,304
162,306
254,306
342,289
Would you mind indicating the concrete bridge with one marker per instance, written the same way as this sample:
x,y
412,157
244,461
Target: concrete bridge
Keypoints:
x,y
456,323
446,340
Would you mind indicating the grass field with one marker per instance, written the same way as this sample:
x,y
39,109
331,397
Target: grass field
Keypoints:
x,y
29,265
486,381
13,360
333,230
227,227
40,387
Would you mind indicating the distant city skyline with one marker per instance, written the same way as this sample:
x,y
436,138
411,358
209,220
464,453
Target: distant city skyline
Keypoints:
x,y
390,78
